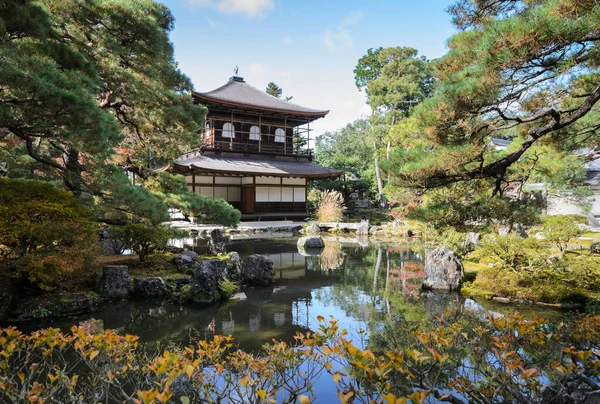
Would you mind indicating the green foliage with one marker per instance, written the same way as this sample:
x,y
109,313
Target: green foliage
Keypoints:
x,y
227,288
455,240
560,229
473,359
46,235
348,149
172,191
144,239
330,207
90,90
274,90
515,253
524,71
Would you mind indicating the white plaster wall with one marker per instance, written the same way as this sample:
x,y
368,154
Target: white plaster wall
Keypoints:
x,y
268,180
262,194
299,195
294,181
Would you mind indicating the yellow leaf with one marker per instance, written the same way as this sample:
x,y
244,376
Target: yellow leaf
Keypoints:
x,y
189,369
261,393
244,381
336,377
184,400
320,318
93,354
304,400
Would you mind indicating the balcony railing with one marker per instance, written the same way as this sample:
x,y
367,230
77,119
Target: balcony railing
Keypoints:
x,y
251,146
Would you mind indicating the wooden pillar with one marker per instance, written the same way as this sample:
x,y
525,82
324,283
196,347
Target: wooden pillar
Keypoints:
x,y
232,134
285,135
260,132
193,182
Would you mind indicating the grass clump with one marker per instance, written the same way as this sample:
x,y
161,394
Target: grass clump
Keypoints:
x,y
330,207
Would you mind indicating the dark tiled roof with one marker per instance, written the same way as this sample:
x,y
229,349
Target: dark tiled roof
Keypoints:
x,y
237,164
500,142
242,93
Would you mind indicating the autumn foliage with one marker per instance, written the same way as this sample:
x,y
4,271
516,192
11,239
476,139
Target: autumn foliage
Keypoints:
x,y
497,359
46,236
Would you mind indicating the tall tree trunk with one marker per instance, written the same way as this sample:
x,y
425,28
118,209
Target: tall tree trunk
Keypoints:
x,y
382,202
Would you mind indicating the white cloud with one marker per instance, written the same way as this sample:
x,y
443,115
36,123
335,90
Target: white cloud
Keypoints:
x,y
286,40
340,37
250,8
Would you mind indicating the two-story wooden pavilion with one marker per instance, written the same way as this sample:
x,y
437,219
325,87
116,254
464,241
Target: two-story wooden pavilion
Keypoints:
x,y
255,152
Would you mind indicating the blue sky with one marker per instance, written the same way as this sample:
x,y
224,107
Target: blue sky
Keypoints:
x,y
308,47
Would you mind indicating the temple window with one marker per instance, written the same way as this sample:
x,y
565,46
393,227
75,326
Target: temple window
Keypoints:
x,y
254,133
228,130
280,135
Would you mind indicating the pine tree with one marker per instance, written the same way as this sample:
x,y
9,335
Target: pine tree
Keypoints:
x,y
274,90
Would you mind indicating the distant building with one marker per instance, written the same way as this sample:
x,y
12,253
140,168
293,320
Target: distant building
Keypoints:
x,y
254,152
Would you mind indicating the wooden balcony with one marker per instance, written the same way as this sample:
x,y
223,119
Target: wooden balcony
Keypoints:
x,y
243,144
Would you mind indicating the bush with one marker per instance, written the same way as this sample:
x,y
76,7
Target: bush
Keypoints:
x,y
46,236
144,239
470,360
227,288
330,207
514,252
560,229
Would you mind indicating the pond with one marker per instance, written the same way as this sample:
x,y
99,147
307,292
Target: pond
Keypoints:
x,y
360,284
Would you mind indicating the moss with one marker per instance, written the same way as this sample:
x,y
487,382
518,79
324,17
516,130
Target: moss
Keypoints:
x,y
186,294
474,292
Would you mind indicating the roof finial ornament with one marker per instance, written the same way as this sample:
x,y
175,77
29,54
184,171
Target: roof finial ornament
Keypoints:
x,y
235,70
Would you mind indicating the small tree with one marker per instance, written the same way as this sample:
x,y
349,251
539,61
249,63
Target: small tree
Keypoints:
x,y
46,235
561,229
143,239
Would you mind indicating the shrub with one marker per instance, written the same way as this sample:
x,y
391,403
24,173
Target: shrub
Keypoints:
x,y
144,239
471,360
227,288
514,252
560,229
45,233
330,207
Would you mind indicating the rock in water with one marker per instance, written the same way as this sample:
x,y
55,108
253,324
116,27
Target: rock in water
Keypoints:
x,y
206,279
234,270
443,270
258,270
186,259
363,228
313,229
216,242
115,282
311,242
150,287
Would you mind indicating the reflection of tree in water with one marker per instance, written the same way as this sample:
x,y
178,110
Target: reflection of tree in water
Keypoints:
x,y
332,256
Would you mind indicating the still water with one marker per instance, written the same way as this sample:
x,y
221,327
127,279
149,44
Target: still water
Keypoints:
x,y
360,284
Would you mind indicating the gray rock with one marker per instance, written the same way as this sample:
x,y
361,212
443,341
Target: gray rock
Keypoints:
x,y
593,221
206,279
311,242
503,230
313,229
150,287
520,231
443,270
363,228
216,242
472,240
258,270
595,247
234,270
186,259
115,282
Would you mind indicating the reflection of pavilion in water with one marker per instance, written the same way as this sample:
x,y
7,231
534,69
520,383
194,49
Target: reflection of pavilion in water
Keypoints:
x,y
405,270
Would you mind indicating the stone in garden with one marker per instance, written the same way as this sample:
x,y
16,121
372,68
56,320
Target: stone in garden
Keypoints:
x,y
234,270
503,230
313,229
520,231
216,242
363,227
595,247
186,259
206,279
115,282
311,242
443,270
150,287
472,239
258,270
593,221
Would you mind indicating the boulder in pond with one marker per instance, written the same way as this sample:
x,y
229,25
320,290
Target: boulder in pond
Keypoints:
x,y
443,270
216,242
363,228
115,282
258,270
150,287
206,279
234,269
311,242
186,259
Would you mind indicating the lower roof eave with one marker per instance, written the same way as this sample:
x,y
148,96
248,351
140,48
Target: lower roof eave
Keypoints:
x,y
192,169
